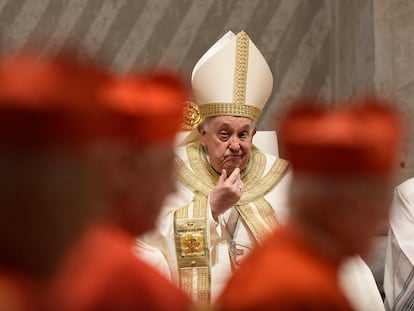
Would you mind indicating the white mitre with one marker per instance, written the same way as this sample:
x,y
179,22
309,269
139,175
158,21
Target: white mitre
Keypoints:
x,y
232,78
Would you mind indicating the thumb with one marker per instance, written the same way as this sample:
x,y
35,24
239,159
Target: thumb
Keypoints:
x,y
222,177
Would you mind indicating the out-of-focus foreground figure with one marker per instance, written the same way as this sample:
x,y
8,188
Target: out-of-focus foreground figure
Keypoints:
x,y
76,144
135,174
345,162
50,121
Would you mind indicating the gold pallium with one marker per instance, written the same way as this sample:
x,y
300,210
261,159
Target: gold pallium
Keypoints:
x,y
191,243
192,250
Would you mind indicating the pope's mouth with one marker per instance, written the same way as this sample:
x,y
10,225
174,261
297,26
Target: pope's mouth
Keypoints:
x,y
233,159
233,156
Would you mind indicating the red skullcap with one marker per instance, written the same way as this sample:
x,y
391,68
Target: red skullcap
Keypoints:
x,y
60,102
47,103
155,103
365,137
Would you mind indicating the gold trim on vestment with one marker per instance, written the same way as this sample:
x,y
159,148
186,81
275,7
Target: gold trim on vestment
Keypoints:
x,y
208,177
256,212
192,244
269,216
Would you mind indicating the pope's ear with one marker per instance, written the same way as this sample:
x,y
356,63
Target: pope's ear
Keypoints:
x,y
254,131
202,132
201,129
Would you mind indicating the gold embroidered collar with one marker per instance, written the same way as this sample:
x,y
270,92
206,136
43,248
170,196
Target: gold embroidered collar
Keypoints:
x,y
201,178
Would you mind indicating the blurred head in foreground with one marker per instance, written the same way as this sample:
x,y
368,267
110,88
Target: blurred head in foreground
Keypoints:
x,y
74,142
134,175
49,120
139,175
345,161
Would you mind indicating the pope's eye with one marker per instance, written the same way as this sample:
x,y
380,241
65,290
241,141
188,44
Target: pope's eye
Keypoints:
x,y
244,135
223,135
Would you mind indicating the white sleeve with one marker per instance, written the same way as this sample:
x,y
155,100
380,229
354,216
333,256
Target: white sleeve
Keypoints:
x,y
402,217
158,246
154,257
359,286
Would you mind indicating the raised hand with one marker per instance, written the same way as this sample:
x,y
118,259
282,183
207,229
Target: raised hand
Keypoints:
x,y
226,193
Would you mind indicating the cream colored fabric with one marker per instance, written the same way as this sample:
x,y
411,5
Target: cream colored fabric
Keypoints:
x,y
402,217
399,261
358,284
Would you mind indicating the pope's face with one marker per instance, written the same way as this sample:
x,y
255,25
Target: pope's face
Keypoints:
x,y
228,142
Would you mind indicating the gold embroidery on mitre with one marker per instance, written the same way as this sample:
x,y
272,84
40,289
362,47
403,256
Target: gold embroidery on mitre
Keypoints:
x,y
230,109
238,107
240,69
191,116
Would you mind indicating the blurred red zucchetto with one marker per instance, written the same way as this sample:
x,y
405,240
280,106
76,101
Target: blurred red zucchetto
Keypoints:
x,y
362,136
50,102
62,102
156,102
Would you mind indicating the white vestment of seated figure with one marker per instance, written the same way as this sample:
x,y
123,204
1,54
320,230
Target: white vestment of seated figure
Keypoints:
x,y
356,277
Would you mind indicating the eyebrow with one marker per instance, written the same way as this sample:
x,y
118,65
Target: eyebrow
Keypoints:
x,y
226,125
